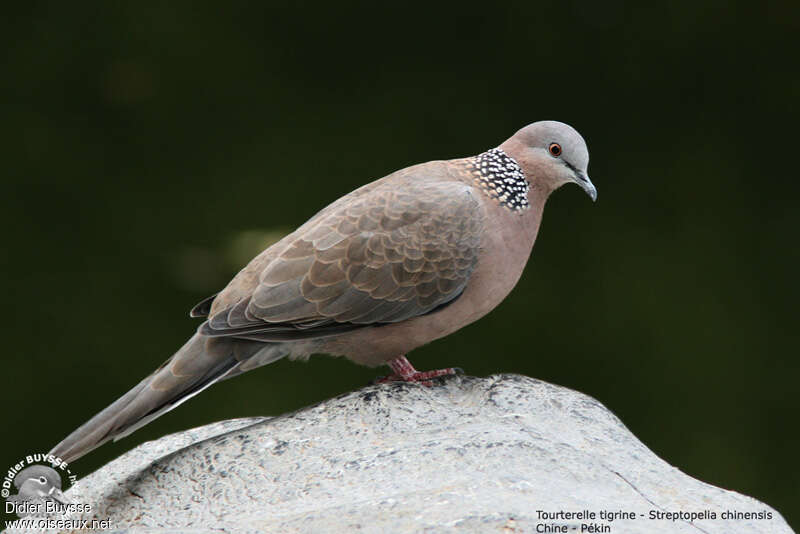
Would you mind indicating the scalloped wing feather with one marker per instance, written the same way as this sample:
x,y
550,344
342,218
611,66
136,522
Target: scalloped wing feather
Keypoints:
x,y
392,252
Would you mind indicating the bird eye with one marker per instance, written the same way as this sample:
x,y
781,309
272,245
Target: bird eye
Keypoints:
x,y
42,480
554,149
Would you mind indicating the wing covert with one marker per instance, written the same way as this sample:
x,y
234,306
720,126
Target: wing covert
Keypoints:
x,y
382,257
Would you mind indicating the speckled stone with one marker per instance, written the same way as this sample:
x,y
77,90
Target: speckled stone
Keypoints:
x,y
468,455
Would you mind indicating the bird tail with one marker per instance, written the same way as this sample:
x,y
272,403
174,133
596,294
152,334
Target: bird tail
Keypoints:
x,y
201,362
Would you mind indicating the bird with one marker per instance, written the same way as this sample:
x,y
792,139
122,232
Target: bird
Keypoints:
x,y
35,484
395,264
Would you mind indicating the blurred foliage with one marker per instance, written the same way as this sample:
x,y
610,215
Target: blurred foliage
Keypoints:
x,y
144,145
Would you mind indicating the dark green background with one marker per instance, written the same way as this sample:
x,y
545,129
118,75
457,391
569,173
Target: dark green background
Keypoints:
x,y
145,149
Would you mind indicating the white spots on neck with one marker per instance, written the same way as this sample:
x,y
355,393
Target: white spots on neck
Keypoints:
x,y
501,177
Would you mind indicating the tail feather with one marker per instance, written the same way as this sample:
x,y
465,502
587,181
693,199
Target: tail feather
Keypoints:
x,y
200,363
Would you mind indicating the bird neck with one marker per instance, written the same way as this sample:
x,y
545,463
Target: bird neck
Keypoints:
x,y
499,176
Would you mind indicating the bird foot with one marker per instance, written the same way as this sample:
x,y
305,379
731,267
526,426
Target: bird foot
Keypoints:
x,y
405,372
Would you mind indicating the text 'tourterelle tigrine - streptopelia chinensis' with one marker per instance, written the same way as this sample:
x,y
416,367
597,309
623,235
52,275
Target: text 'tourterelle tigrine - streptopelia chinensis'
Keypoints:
x,y
394,265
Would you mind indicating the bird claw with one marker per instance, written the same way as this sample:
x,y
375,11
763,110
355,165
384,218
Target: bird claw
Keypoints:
x,y
405,372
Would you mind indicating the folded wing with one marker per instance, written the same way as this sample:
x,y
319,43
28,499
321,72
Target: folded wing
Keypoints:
x,y
386,256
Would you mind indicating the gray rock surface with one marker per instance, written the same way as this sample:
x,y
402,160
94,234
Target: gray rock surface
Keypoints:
x,y
468,455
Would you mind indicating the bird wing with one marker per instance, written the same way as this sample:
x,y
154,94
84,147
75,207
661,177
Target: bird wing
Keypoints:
x,y
390,253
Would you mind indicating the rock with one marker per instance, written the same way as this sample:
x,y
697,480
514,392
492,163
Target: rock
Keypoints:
x,y
470,454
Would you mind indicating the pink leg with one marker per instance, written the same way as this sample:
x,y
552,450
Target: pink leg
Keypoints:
x,y
405,372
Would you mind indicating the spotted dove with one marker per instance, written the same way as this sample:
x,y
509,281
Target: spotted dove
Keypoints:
x,y
395,264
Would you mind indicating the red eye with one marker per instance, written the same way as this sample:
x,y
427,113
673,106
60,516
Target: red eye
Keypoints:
x,y
555,149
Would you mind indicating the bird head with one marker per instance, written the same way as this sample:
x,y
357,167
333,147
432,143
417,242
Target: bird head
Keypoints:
x,y
39,482
551,154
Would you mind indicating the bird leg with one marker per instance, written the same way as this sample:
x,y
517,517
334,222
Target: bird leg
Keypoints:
x,y
405,372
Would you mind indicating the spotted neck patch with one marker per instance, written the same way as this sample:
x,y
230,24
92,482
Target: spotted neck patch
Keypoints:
x,y
500,177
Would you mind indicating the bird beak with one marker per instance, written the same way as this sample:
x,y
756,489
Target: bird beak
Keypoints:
x,y
587,185
58,495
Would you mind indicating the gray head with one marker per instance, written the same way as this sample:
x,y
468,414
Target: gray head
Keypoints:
x,y
551,154
39,482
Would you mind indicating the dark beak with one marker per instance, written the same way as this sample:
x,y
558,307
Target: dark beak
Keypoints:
x,y
586,184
